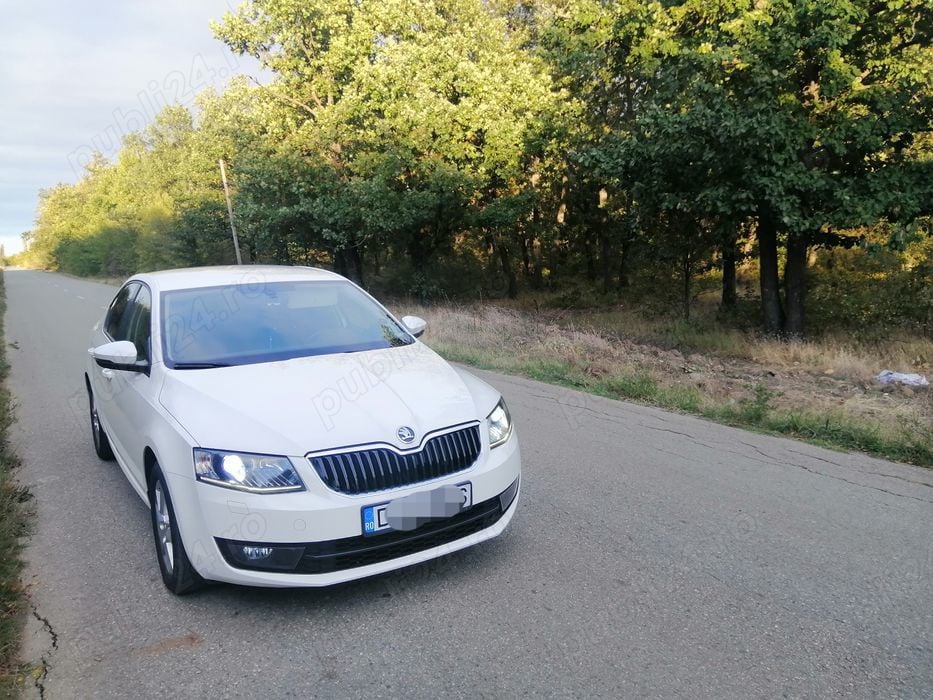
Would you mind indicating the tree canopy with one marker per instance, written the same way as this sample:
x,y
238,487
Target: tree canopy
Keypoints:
x,y
444,147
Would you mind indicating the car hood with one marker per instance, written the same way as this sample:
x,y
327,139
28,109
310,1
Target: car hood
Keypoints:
x,y
316,403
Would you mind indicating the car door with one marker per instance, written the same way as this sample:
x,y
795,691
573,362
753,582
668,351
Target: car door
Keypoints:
x,y
133,403
107,383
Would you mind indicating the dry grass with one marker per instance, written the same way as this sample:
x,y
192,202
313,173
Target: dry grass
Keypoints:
x,y
845,358
823,390
12,530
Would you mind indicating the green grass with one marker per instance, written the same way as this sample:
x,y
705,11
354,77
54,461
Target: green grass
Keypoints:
x,y
12,530
833,430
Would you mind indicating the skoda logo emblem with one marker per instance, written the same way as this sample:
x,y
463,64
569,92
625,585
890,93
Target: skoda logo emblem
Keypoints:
x,y
405,434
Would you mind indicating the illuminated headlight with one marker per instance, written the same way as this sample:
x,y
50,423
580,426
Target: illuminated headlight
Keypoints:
x,y
245,472
499,423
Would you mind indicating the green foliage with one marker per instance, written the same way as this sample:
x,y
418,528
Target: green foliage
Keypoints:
x,y
136,213
838,431
638,386
407,126
912,445
755,409
592,150
877,289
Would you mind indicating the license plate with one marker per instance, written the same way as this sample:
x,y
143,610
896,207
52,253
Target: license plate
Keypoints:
x,y
376,517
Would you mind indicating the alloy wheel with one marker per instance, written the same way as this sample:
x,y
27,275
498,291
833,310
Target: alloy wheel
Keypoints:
x,y
164,524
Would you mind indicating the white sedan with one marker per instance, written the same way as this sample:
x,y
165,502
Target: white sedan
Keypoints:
x,y
286,430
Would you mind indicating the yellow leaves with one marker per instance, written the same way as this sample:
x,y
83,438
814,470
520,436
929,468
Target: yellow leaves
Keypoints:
x,y
811,93
858,82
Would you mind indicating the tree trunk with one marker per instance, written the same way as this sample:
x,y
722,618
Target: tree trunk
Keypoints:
x,y
686,265
526,257
536,275
355,260
605,257
590,261
420,249
283,257
506,258
771,308
625,257
729,294
795,272
349,263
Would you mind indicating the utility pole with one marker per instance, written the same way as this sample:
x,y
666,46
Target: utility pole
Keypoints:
x,y
236,241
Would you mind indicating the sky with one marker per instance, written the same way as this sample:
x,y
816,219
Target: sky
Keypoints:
x,y
77,76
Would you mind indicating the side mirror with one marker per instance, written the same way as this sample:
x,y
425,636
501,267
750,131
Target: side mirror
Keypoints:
x,y
120,355
415,325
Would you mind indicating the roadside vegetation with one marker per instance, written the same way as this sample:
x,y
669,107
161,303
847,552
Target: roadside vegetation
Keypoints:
x,y
467,147
12,530
749,183
823,391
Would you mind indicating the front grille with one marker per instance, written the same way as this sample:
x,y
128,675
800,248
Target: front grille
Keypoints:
x,y
380,469
352,552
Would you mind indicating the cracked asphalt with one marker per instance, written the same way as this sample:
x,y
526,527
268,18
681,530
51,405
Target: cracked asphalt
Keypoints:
x,y
653,555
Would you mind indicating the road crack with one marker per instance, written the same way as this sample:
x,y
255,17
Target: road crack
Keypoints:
x,y
862,471
817,472
44,659
690,437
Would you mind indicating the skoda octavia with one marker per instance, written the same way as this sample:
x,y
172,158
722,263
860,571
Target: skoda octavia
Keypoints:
x,y
286,430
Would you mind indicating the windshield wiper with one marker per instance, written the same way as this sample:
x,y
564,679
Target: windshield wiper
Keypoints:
x,y
200,365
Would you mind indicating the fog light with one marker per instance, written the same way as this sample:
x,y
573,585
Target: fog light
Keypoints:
x,y
255,553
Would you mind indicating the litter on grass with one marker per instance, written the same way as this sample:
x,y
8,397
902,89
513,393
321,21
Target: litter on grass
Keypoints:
x,y
889,377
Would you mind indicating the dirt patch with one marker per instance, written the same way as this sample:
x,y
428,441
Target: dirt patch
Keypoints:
x,y
185,641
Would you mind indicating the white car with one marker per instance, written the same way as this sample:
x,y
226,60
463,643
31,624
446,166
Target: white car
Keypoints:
x,y
286,430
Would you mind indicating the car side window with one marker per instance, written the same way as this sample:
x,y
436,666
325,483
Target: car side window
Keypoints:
x,y
116,323
141,323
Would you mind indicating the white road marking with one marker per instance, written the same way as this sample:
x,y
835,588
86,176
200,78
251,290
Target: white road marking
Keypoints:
x,y
80,297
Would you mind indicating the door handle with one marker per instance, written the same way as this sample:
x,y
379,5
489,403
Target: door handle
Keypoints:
x,y
107,374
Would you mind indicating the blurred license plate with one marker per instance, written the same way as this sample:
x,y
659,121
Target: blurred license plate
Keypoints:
x,y
376,520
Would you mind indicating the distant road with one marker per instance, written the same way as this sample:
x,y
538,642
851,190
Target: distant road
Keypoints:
x,y
653,555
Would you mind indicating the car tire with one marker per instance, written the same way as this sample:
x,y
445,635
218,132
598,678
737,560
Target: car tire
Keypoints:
x,y
178,574
101,441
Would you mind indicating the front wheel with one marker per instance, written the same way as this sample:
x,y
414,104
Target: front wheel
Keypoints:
x,y
101,443
178,575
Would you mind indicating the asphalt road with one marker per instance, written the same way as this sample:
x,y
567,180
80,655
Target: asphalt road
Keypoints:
x,y
653,555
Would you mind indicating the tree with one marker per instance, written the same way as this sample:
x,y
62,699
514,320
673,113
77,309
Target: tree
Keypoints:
x,y
420,110
822,109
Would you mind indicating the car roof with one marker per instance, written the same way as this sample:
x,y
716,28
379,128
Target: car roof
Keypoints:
x,y
222,276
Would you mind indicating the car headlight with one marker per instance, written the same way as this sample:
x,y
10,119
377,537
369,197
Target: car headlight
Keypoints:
x,y
499,423
246,472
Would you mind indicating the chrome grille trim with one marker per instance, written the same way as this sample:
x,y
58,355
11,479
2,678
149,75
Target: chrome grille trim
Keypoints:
x,y
382,467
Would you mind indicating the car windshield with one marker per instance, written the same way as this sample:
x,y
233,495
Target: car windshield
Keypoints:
x,y
249,323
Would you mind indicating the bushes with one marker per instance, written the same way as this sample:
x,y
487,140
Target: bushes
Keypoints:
x,y
874,290
109,253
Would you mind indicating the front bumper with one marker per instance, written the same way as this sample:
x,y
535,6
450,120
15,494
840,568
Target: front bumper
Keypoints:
x,y
324,528
360,551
